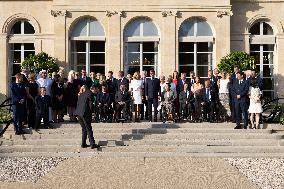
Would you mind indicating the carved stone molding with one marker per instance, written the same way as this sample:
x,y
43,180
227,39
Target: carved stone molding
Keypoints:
x,y
111,13
171,13
57,13
220,14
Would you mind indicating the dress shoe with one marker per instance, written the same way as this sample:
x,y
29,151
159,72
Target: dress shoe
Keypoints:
x,y
238,127
95,146
84,146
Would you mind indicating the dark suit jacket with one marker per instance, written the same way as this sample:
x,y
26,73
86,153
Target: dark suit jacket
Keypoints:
x,y
123,81
213,93
42,104
104,98
18,92
183,98
112,85
240,89
84,105
152,88
87,81
119,97
180,85
214,83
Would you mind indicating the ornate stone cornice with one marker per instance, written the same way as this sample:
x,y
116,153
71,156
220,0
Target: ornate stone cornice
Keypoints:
x,y
220,14
57,13
111,13
170,13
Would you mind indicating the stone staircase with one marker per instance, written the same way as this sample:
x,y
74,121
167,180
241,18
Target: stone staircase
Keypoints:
x,y
148,140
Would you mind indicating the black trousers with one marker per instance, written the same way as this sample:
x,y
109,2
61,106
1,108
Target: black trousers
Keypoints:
x,y
119,108
45,118
87,130
104,111
209,108
31,114
144,111
154,102
241,109
185,110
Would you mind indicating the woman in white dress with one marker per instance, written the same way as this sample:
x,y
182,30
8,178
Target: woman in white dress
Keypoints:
x,y
255,108
136,88
224,95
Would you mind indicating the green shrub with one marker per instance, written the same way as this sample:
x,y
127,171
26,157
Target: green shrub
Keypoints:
x,y
242,59
5,115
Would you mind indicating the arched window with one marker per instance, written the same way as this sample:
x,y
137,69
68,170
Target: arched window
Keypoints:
x,y
88,46
195,47
21,45
141,39
262,43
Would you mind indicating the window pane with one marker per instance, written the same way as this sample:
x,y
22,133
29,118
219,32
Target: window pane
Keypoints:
x,y
267,70
28,28
80,46
149,29
267,58
268,83
16,46
133,29
16,69
29,46
187,29
255,29
97,58
257,68
267,47
149,59
256,56
27,53
254,47
80,29
186,47
80,58
96,29
186,69
16,29
204,59
97,46
133,47
202,71
98,69
204,47
150,47
267,29
203,29
268,94
133,59
16,57
186,58
133,69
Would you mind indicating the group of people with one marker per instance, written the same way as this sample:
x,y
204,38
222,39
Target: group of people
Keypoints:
x,y
220,97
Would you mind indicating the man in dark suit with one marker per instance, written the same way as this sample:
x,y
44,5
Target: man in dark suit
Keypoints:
x,y
240,94
122,81
104,102
111,83
233,79
122,99
144,113
152,93
213,81
186,100
183,80
19,95
84,113
85,80
209,100
42,104
259,79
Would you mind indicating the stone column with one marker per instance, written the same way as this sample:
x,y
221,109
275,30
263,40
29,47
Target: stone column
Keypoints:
x,y
168,44
114,43
279,66
60,38
4,68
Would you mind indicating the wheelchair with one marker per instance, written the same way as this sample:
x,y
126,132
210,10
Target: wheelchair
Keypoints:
x,y
124,115
168,112
104,113
206,113
186,113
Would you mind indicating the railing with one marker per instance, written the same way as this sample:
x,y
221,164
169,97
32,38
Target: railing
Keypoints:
x,y
273,110
6,104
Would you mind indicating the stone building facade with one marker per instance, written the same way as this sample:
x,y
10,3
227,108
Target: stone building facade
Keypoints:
x,y
167,35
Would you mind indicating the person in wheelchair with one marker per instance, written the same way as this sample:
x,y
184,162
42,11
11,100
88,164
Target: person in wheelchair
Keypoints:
x,y
209,102
122,106
168,98
186,100
104,105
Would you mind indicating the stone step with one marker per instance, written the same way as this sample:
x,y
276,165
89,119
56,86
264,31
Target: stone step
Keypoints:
x,y
177,142
145,149
118,136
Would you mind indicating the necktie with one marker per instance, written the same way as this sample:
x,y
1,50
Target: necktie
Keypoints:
x,y
207,94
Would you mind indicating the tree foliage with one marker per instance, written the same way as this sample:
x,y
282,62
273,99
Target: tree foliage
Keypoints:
x,y
242,59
